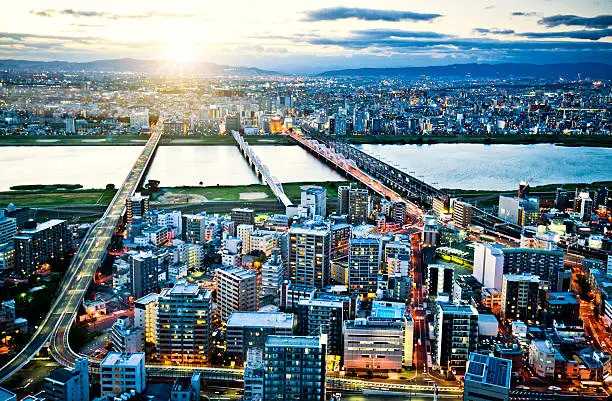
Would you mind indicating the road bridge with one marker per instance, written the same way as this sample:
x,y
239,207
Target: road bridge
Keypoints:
x,y
79,275
261,170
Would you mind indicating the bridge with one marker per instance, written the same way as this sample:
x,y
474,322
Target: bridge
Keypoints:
x,y
351,169
261,170
56,324
399,180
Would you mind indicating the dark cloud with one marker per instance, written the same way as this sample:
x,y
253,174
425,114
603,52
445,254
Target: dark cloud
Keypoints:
x,y
495,31
524,14
101,14
591,34
366,14
599,22
398,33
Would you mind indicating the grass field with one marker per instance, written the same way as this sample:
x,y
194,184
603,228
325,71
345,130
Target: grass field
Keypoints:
x,y
232,193
56,197
138,140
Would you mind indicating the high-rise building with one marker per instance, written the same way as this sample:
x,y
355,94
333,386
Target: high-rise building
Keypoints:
x,y
358,206
243,216
384,340
254,375
545,264
237,290
323,316
7,257
36,244
139,120
136,206
456,335
272,274
309,254
487,378
245,330
144,273
562,201
64,384
488,265
520,297
244,231
586,208
121,373
314,200
125,337
462,213
145,316
295,368
440,279
8,229
340,239
363,265
343,197
184,323
520,211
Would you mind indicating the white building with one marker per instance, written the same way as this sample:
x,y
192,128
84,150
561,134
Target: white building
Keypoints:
x,y
120,373
489,265
145,316
542,357
244,231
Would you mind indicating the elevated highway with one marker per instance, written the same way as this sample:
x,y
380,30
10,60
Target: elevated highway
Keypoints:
x,y
56,325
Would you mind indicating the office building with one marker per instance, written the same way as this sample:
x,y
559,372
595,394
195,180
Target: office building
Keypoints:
x,y
184,323
121,373
462,213
520,297
139,120
562,307
363,265
314,201
246,330
487,378
340,240
64,384
456,335
237,290
136,206
440,279
254,375
126,338
7,257
8,229
243,216
309,254
488,265
343,198
144,273
292,293
295,368
520,211
562,201
542,355
186,388
37,244
145,316
323,316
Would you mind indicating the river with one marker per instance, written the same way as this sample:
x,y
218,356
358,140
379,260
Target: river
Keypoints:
x,y
466,166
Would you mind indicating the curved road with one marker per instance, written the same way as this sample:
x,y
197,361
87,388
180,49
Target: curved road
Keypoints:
x,y
56,324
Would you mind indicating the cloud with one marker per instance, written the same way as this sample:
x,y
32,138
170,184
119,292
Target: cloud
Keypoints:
x,y
398,33
524,14
495,31
88,25
101,14
599,22
593,34
366,14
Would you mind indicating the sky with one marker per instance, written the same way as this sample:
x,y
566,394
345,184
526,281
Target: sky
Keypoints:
x,y
310,36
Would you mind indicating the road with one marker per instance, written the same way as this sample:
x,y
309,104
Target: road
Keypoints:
x,y
56,325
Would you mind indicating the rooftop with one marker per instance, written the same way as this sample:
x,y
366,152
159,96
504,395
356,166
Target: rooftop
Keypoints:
x,y
117,358
261,319
454,309
293,341
488,369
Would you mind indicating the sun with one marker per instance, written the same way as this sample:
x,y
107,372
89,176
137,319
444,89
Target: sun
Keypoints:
x,y
181,49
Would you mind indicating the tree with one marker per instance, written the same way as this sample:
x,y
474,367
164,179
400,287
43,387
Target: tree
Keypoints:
x,y
110,187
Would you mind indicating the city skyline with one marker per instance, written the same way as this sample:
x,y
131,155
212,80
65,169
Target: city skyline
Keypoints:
x,y
313,37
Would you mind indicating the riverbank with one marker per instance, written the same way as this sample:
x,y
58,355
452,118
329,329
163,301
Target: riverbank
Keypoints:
x,y
139,140
559,140
169,195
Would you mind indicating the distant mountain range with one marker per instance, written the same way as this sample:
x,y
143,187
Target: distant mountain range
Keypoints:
x,y
505,70
132,65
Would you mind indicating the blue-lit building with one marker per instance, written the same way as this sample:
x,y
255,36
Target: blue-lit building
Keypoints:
x,y
487,378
